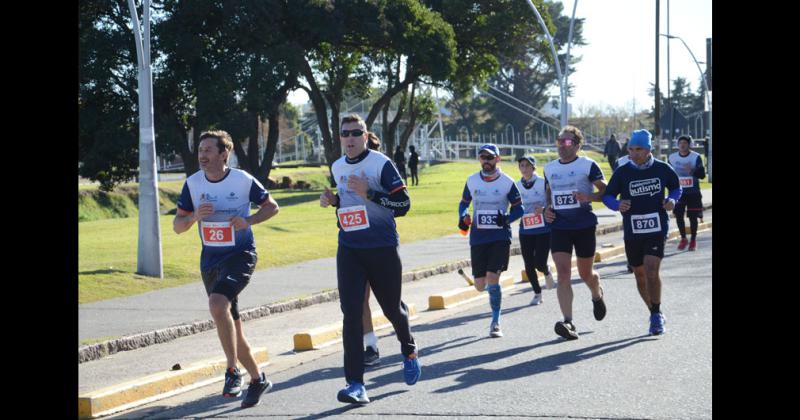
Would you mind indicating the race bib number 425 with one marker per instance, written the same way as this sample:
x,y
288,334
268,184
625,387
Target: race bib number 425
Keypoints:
x,y
353,218
645,223
565,200
218,234
686,181
532,221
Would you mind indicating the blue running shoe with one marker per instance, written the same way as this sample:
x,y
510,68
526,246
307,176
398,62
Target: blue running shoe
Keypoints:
x,y
412,369
233,383
354,393
657,322
255,390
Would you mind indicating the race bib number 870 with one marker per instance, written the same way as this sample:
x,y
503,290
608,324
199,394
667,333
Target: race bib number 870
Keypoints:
x,y
645,223
353,218
218,234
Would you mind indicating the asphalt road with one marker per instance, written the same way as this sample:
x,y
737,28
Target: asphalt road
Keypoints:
x,y
614,371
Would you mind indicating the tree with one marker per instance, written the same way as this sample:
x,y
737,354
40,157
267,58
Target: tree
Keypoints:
x,y
362,34
531,74
108,132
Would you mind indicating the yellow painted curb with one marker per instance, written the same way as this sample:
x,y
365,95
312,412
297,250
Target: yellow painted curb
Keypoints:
x,y
153,387
452,297
620,249
316,337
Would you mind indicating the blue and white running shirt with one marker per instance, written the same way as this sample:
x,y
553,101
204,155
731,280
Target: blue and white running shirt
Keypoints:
x,y
489,197
533,197
689,182
362,222
566,178
231,196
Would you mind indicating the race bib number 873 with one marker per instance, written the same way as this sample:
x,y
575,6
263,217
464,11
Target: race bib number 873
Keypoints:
x,y
565,200
218,234
353,218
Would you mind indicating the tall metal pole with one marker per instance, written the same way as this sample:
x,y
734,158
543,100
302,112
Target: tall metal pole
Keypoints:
x,y
149,261
657,130
558,66
669,92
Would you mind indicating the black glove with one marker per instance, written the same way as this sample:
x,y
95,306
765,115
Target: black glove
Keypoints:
x,y
463,223
502,219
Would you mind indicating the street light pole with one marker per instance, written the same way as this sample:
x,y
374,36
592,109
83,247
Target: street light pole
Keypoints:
x,y
561,79
149,247
708,100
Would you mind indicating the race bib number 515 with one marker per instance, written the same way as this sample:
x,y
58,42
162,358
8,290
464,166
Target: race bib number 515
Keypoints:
x,y
218,234
532,221
353,218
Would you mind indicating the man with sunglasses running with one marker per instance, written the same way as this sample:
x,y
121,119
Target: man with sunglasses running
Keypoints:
x,y
490,236
570,181
370,195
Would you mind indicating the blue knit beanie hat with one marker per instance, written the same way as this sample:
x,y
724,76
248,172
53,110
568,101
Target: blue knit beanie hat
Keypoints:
x,y
641,138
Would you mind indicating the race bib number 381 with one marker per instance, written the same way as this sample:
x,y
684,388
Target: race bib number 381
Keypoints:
x,y
218,234
353,218
687,181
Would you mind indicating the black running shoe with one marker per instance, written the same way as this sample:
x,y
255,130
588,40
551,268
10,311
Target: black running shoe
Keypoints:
x,y
255,390
371,356
599,306
566,330
233,383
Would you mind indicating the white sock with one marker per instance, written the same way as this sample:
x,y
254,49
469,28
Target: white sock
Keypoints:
x,y
371,340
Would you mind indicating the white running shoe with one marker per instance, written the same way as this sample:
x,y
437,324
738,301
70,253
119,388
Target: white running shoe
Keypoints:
x,y
537,299
548,280
495,331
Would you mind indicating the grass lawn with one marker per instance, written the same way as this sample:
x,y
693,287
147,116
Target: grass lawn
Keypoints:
x,y
301,231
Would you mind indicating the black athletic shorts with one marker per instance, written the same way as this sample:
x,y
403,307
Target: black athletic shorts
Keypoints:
x,y
584,241
637,248
691,204
489,257
230,277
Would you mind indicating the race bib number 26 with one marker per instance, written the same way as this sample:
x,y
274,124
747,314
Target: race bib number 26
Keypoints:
x,y
353,218
218,234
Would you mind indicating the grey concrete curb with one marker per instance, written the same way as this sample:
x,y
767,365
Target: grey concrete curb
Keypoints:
x,y
99,350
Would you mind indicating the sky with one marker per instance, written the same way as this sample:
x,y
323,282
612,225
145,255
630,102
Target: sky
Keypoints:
x,y
618,63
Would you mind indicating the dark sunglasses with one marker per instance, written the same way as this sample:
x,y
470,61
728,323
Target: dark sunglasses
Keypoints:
x,y
354,133
486,157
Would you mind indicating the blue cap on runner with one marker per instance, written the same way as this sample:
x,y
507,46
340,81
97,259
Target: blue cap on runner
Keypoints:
x,y
491,148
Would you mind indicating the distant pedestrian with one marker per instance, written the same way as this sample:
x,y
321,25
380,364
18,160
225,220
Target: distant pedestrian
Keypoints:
x,y
612,151
400,162
413,162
